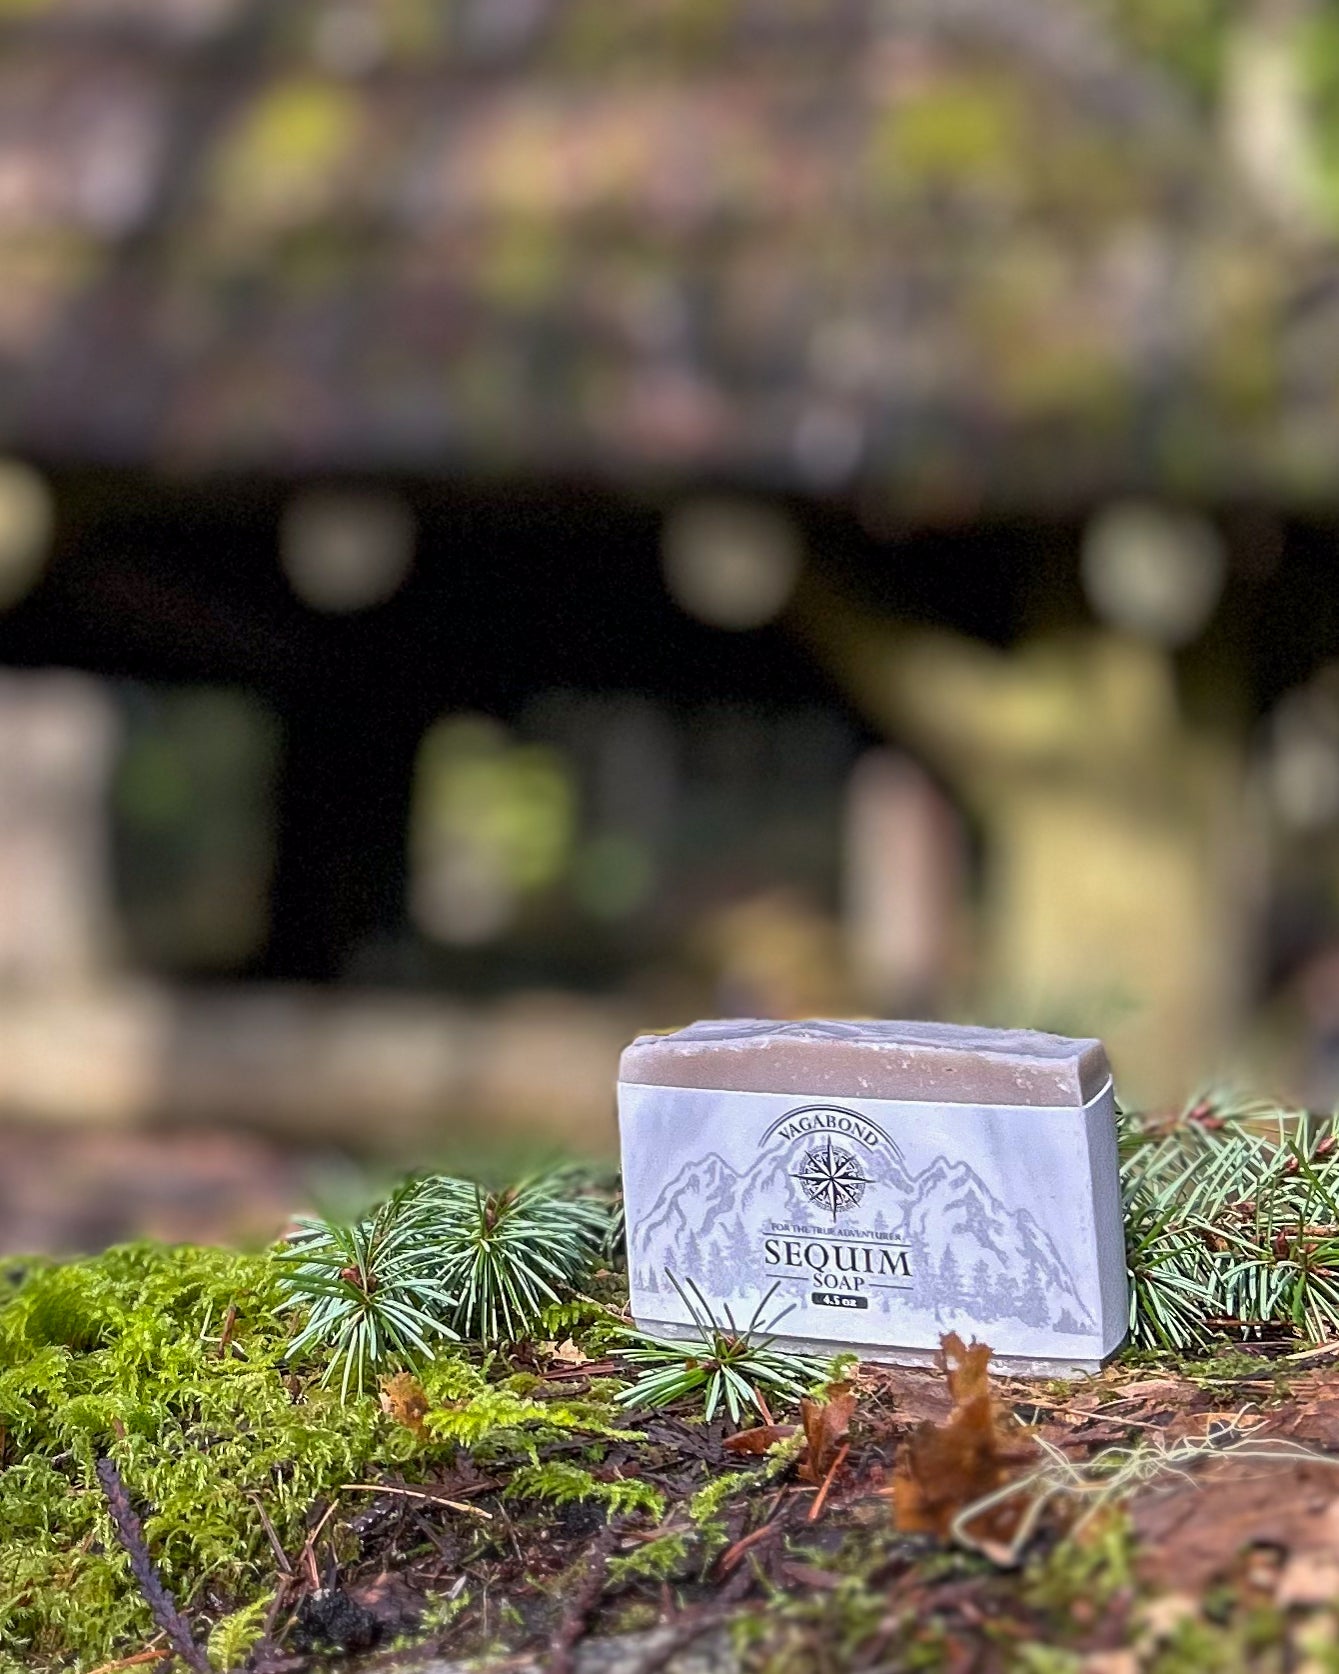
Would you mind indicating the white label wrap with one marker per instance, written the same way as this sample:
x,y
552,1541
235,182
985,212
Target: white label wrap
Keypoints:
x,y
881,1223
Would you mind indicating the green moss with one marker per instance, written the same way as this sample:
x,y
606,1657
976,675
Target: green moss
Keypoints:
x,y
591,1324
561,1319
122,1356
962,130
666,1558
494,1420
233,1636
706,1504
564,1483
1254,1643
1094,1568
1047,1659
805,1632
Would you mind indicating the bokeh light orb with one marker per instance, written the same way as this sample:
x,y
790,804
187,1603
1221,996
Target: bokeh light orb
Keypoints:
x,y
1302,756
732,564
27,519
346,549
1153,572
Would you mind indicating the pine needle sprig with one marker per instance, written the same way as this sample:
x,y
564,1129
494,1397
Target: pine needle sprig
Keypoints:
x,y
1232,1224
373,1297
725,1362
440,1259
508,1255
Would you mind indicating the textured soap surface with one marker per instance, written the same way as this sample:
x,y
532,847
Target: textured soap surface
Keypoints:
x,y
939,1062
874,1185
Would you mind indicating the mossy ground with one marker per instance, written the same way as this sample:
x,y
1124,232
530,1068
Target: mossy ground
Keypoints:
x,y
480,1524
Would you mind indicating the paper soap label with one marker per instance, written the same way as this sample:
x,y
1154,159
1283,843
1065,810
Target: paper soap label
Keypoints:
x,y
875,1221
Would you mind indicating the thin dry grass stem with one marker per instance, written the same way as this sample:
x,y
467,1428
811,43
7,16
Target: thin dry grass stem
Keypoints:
x,y
414,1494
1110,1477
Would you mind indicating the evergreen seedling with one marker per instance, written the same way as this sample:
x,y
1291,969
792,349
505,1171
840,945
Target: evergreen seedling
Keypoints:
x,y
373,1295
442,1258
508,1255
729,1364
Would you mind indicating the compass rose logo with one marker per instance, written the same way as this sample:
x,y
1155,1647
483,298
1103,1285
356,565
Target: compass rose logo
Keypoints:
x,y
832,1179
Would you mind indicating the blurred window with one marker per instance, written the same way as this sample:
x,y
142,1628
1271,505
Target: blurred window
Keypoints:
x,y
604,833
491,828
26,519
193,811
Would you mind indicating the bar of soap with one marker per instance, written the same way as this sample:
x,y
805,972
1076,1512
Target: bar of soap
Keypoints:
x,y
942,1061
874,1185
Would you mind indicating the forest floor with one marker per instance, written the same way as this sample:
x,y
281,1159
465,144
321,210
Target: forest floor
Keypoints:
x,y
1169,1515
1197,1529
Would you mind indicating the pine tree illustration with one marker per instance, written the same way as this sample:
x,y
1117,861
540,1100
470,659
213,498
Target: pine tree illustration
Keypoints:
x,y
949,1295
719,1279
983,1303
1033,1310
1006,1300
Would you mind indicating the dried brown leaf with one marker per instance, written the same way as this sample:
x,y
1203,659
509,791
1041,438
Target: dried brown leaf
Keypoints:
x,y
403,1400
826,1424
946,1467
916,1393
758,1439
1162,1390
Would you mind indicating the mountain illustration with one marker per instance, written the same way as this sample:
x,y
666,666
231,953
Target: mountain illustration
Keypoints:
x,y
968,1250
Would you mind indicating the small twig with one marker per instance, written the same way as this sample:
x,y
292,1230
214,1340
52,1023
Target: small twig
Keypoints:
x,y
160,1601
1095,1415
774,1502
308,1557
281,1593
573,1625
733,1555
276,1545
430,1534
416,1494
816,1508
326,1515
139,1660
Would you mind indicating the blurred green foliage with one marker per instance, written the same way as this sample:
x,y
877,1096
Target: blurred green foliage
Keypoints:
x,y
1184,36
568,233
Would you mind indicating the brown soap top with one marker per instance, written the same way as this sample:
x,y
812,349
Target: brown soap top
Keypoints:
x,y
932,1062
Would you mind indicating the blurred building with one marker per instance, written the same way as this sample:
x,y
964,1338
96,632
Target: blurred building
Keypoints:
x,y
604,513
